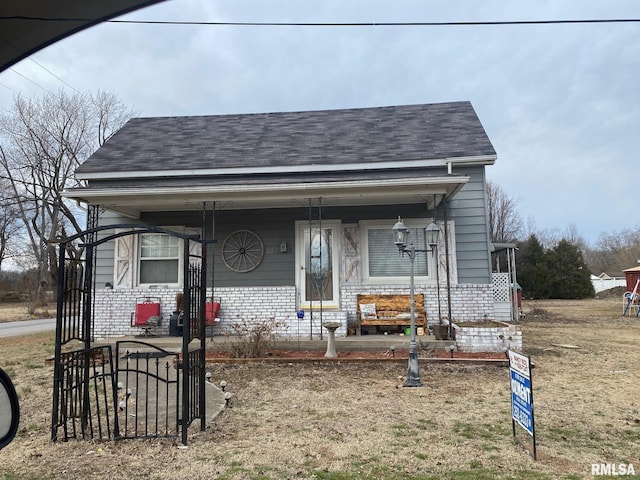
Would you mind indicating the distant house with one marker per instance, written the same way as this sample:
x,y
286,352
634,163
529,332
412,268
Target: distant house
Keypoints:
x,y
301,206
605,281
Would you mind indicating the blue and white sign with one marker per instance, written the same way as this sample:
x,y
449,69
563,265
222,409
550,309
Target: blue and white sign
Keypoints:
x,y
521,391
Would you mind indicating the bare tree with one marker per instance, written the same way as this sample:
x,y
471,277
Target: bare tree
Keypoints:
x,y
505,224
10,226
615,252
43,141
551,237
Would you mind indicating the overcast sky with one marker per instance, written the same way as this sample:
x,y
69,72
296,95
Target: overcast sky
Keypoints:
x,y
560,103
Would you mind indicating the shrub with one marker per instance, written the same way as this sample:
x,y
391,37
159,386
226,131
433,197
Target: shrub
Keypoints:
x,y
253,338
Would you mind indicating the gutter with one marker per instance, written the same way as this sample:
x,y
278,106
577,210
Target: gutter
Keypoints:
x,y
288,188
317,168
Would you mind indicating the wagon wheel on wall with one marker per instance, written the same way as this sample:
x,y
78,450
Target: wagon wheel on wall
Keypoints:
x,y
242,251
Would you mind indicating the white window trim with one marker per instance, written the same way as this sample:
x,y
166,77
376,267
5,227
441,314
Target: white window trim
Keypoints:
x,y
412,223
136,257
136,263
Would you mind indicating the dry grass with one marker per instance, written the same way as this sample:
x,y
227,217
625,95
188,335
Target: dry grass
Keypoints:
x,y
13,312
344,421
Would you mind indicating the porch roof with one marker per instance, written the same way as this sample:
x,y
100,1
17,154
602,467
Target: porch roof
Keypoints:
x,y
131,200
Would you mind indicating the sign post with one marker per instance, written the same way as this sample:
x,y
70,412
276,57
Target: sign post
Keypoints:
x,y
522,395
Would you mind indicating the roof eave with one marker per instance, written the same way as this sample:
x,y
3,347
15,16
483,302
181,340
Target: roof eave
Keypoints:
x,y
288,169
133,200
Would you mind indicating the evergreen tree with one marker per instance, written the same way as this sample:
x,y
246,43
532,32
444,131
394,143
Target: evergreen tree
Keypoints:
x,y
533,273
570,274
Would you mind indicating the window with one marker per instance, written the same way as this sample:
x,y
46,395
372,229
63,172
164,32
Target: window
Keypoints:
x,y
159,259
381,261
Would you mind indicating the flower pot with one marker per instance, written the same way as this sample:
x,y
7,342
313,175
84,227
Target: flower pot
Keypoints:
x,y
441,332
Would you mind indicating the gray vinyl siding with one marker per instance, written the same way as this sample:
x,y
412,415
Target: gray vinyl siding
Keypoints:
x,y
272,226
468,210
105,252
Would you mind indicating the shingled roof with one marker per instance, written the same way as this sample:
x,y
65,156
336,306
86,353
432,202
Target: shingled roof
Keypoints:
x,y
329,137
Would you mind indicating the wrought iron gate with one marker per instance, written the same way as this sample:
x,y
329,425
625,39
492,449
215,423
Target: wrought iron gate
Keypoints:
x,y
142,390
148,390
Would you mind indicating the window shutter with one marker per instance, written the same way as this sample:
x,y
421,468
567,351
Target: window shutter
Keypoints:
x,y
351,254
442,253
123,261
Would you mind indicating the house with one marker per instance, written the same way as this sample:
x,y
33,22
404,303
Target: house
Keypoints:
x,y
300,206
606,281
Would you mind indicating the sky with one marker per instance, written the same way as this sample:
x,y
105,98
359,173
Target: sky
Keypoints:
x,y
560,103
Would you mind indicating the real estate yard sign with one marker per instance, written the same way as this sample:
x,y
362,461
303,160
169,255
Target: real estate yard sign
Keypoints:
x,y
522,395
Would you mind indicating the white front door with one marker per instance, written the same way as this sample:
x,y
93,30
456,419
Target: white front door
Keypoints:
x,y
317,257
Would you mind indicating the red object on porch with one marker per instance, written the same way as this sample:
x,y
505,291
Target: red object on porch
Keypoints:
x,y
144,311
211,312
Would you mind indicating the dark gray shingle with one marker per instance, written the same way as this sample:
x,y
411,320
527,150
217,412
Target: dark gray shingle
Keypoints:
x,y
329,137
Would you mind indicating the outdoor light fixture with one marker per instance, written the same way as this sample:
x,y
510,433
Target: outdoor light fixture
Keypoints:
x,y
227,398
223,385
433,233
400,237
451,349
208,376
400,234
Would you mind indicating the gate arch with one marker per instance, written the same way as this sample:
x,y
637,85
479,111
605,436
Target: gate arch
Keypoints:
x,y
87,387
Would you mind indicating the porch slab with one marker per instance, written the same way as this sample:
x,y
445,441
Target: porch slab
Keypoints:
x,y
354,343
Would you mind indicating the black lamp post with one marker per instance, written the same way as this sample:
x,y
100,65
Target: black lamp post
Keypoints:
x,y
400,235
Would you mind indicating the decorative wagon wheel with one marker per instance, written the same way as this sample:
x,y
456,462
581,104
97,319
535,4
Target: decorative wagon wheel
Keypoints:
x,y
242,251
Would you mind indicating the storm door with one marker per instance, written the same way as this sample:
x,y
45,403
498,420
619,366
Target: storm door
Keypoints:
x,y
317,256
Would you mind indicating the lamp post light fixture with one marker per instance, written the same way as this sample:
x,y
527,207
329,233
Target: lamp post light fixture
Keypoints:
x,y
400,235
433,233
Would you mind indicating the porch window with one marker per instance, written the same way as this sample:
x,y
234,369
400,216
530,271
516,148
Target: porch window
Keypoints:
x,y
159,259
380,257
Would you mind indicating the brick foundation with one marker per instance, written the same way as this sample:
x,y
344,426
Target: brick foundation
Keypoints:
x,y
113,308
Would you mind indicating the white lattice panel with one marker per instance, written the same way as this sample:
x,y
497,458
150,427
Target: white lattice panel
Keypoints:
x,y
501,287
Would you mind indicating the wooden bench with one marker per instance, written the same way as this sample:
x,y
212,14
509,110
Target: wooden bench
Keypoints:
x,y
391,310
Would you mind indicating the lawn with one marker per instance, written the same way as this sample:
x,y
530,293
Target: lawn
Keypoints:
x,y
350,420
18,311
